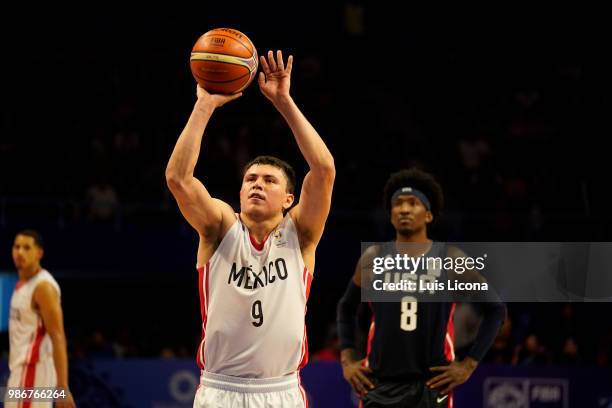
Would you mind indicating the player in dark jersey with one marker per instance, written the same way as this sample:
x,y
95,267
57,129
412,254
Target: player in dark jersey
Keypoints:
x,y
410,359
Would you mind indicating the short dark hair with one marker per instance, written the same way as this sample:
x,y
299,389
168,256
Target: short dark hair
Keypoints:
x,y
276,162
34,234
419,180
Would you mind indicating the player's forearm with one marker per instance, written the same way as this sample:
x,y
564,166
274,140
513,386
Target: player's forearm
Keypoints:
x,y
60,360
187,149
311,145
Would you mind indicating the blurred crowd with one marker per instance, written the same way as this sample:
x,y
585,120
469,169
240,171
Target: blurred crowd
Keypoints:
x,y
532,335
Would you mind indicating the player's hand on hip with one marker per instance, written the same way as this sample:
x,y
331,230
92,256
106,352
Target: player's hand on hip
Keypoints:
x,y
357,375
214,101
452,375
275,78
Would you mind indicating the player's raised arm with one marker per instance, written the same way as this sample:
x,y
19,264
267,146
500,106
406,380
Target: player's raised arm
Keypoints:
x,y
195,202
315,198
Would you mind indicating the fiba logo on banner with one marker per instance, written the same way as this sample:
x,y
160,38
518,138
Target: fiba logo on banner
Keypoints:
x,y
526,393
506,396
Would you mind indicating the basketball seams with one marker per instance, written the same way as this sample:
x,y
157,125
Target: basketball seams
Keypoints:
x,y
221,82
247,83
223,59
233,38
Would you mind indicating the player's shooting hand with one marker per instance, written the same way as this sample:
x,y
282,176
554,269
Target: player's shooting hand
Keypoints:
x,y
357,375
452,375
275,78
214,101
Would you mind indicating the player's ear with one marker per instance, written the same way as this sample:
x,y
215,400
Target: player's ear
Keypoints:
x,y
428,217
289,199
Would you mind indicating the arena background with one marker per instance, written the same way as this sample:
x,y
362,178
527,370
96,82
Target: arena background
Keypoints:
x,y
510,112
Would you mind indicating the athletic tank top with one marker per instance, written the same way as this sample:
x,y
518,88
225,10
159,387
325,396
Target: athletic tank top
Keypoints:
x,y
253,304
29,342
408,337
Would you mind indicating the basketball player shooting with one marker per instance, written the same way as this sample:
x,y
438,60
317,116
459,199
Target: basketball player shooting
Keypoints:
x,y
255,267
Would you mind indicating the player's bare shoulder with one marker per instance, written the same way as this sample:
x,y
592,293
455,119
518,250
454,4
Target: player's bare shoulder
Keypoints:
x,y
212,234
211,237
45,297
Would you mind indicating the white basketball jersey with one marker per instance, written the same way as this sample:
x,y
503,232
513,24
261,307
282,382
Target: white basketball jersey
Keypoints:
x,y
29,342
253,303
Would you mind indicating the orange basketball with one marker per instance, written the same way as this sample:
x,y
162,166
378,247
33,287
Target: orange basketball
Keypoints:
x,y
224,61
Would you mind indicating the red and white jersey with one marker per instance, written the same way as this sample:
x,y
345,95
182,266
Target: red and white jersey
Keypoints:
x,y
29,343
253,303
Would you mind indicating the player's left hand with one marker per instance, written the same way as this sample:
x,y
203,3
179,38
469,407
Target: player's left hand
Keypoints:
x,y
452,375
275,79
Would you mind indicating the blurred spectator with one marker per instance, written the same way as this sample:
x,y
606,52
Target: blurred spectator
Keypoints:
x,y
569,354
602,358
99,346
102,201
502,348
568,319
167,353
124,345
531,352
331,350
604,351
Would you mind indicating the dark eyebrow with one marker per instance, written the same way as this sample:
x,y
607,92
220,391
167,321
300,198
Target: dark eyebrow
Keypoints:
x,y
262,175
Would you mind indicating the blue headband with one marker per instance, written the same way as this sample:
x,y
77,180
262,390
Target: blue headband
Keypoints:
x,y
412,191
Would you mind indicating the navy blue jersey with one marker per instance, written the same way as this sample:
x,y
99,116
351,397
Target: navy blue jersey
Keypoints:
x,y
408,337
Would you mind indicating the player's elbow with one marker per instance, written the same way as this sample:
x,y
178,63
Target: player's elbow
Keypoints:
x,y
346,308
329,165
327,170
344,311
175,181
330,169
